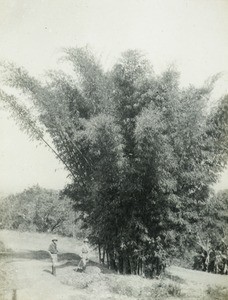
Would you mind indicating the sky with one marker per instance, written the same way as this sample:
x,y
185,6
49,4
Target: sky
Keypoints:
x,y
191,34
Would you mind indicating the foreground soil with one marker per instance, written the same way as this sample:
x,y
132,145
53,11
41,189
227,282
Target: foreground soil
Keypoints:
x,y
26,275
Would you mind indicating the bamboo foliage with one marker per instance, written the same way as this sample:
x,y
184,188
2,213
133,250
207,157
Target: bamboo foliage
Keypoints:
x,y
141,151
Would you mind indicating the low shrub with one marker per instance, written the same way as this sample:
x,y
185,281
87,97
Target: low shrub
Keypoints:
x,y
144,289
216,293
121,286
2,247
174,289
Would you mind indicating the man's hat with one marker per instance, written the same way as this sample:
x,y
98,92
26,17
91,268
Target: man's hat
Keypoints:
x,y
54,239
86,240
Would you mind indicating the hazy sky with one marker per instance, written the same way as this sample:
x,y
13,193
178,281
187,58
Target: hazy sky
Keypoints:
x,y
191,34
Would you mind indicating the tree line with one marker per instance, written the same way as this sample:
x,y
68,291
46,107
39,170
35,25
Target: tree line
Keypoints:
x,y
142,152
38,209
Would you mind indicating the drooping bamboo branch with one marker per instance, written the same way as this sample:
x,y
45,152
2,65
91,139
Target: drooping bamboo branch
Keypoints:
x,y
21,113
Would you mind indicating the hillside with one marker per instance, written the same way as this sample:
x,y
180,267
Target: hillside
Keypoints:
x,y
25,275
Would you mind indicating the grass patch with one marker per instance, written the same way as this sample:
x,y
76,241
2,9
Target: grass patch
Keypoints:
x,y
174,289
120,286
217,293
140,288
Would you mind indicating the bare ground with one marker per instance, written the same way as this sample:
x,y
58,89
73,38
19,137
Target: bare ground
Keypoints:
x,y
25,274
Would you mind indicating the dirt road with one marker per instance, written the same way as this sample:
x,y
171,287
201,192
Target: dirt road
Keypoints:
x,y
26,275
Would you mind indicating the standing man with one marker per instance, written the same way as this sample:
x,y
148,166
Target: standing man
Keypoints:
x,y
53,252
85,253
84,257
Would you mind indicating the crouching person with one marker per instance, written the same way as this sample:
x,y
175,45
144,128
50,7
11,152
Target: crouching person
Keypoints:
x,y
54,254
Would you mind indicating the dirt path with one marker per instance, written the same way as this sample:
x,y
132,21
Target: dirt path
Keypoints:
x,y
28,280
26,275
26,271
195,283
199,277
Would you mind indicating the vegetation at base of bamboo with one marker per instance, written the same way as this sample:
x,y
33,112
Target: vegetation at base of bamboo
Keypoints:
x,y
210,235
142,152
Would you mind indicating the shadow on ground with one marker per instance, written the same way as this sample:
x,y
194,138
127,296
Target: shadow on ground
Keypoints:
x,y
174,278
39,255
64,259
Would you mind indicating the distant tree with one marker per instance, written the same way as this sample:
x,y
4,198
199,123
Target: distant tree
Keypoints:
x,y
141,151
37,209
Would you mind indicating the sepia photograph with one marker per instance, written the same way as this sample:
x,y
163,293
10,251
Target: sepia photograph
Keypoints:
x,y
113,149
